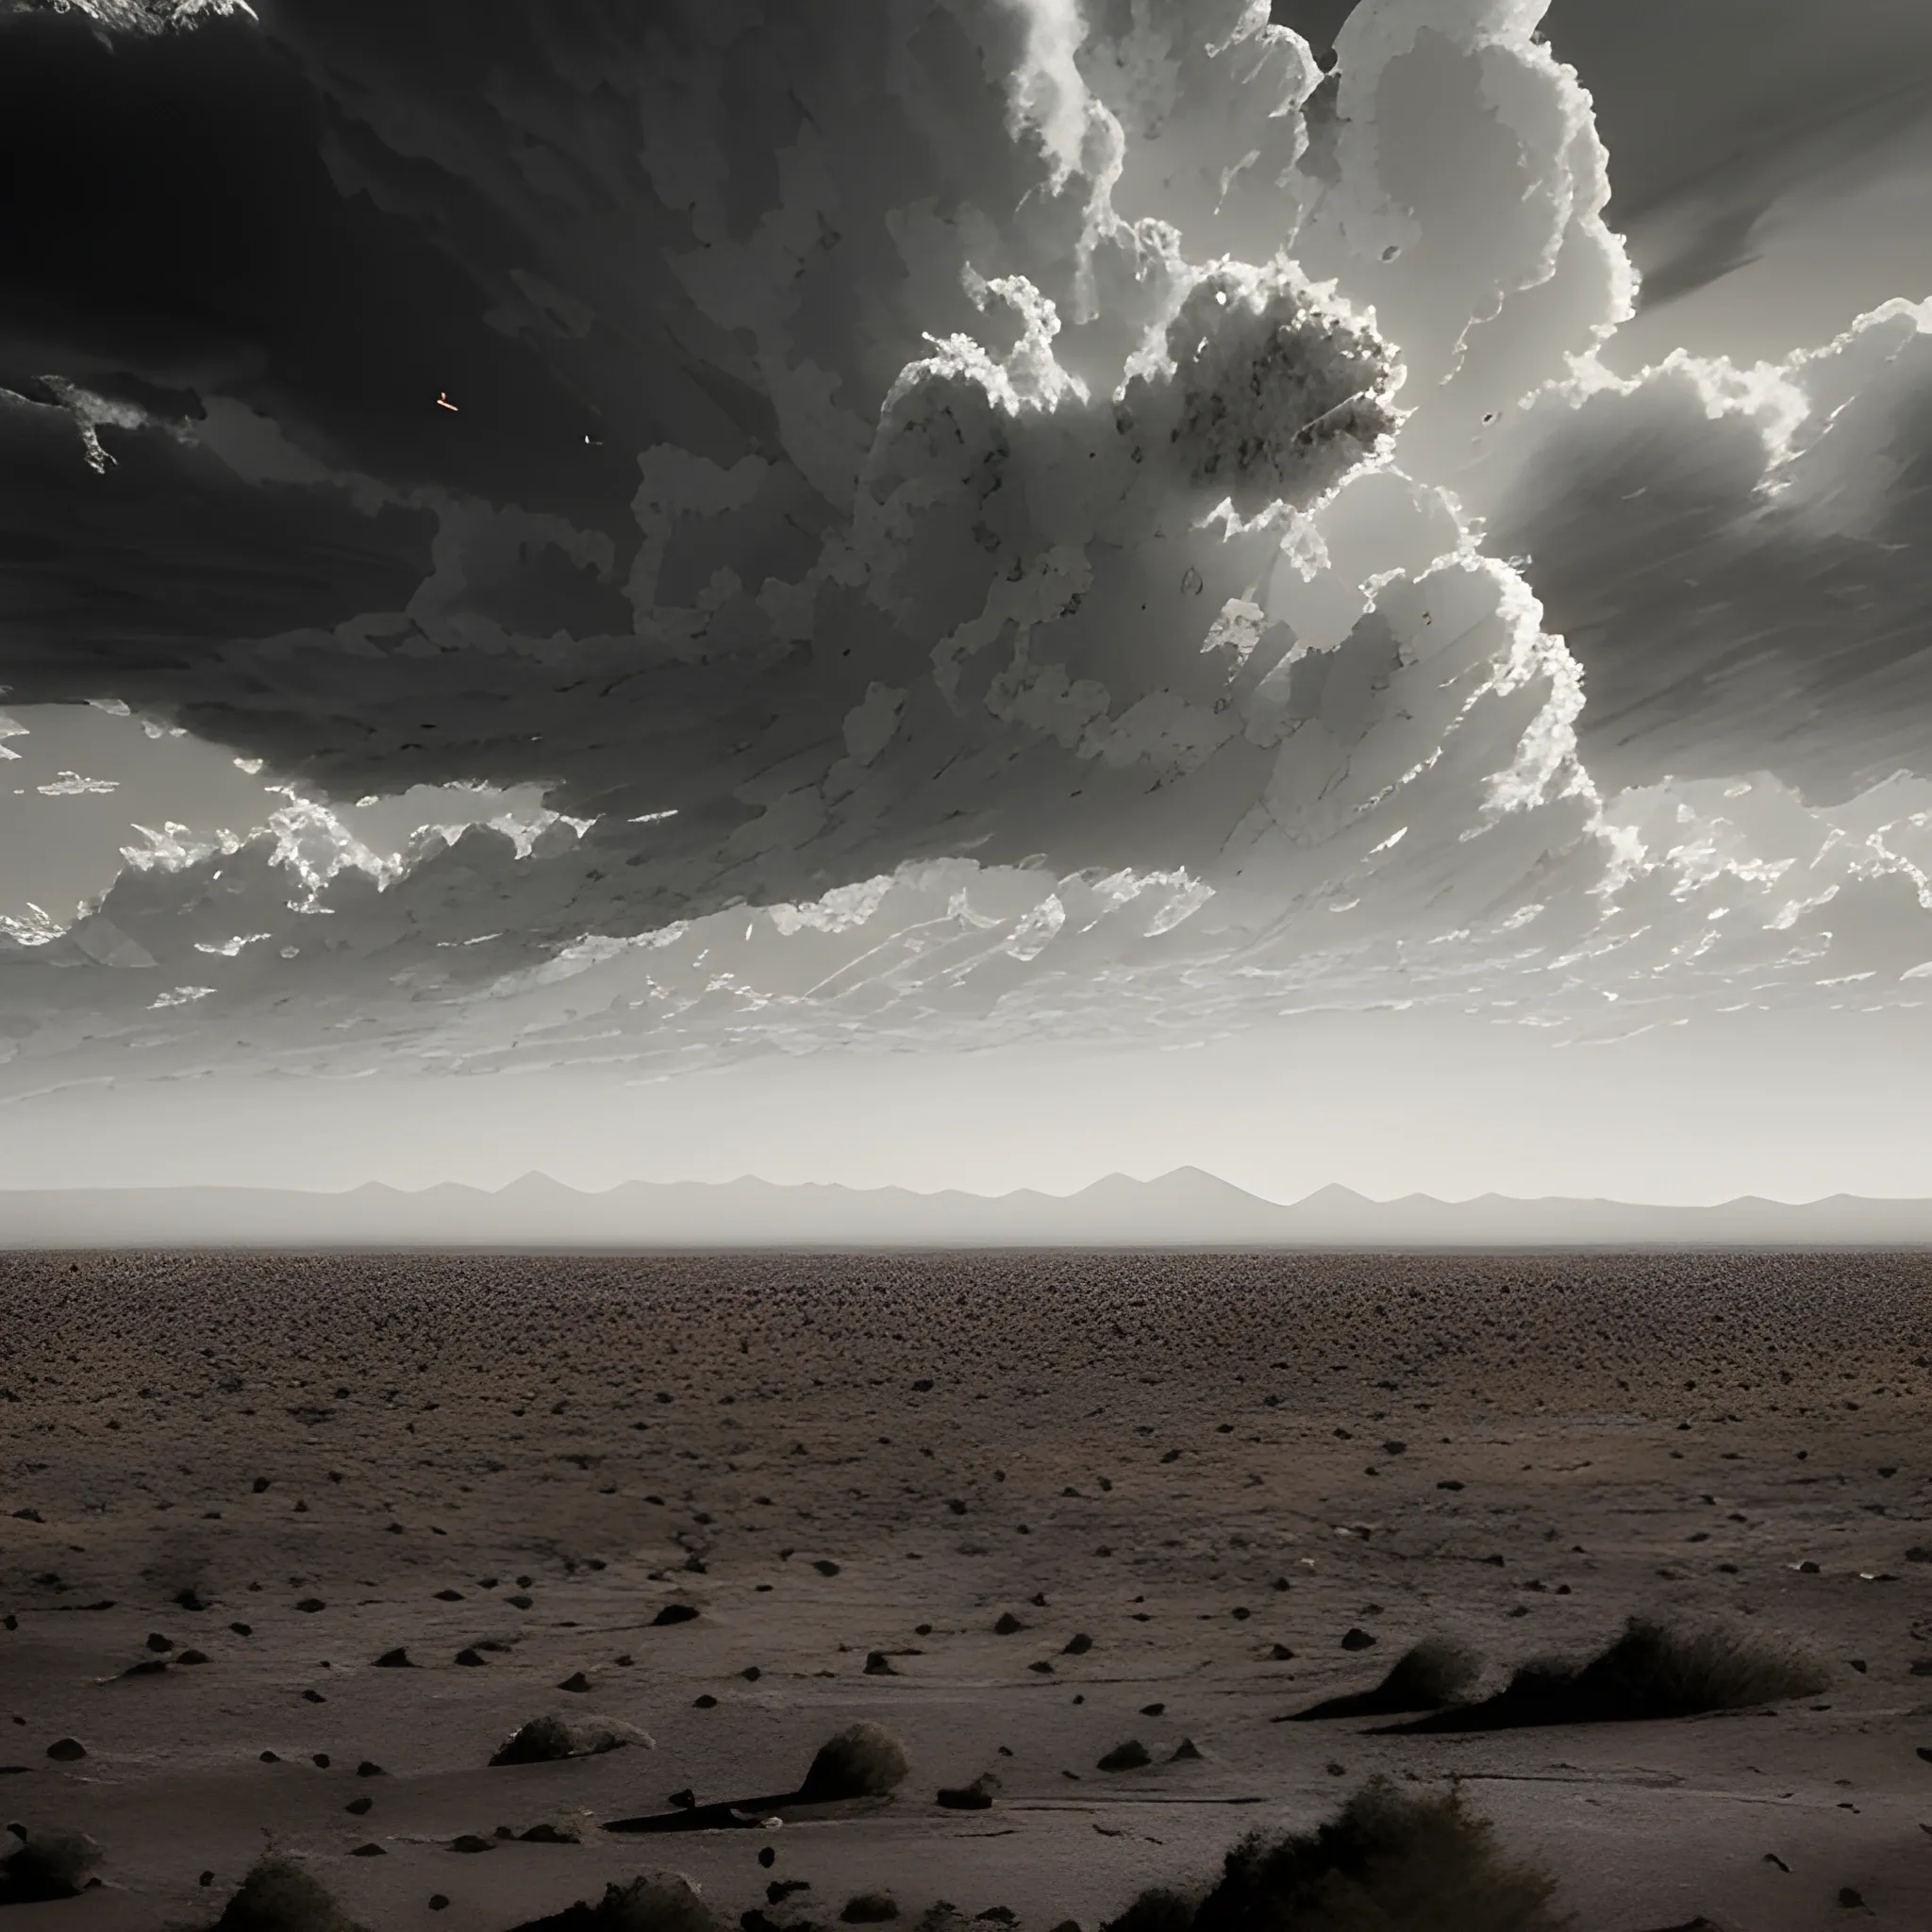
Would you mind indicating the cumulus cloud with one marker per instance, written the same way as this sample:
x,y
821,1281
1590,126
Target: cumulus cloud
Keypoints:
x,y
953,522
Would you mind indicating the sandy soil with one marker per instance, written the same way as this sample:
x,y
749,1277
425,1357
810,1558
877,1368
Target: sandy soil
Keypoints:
x,y
1197,1462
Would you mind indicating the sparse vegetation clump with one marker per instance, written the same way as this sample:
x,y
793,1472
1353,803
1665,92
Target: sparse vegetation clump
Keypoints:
x,y
1649,1671
47,1865
1157,1910
864,1760
656,1902
1389,1862
1427,1676
278,1895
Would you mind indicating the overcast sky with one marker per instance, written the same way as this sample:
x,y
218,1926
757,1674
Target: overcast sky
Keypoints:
x,y
403,428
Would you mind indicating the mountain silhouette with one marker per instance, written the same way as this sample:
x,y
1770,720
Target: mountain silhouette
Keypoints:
x,y
1186,1208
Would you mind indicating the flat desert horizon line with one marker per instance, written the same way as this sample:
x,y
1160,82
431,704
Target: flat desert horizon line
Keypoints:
x,y
1184,1208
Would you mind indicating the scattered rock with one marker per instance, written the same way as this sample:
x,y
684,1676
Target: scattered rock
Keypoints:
x,y
869,1909
551,1739
48,1865
1132,1755
1356,1637
978,1796
66,1750
278,1895
865,1761
397,1659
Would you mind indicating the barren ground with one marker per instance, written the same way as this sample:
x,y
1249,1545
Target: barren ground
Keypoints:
x,y
1192,1460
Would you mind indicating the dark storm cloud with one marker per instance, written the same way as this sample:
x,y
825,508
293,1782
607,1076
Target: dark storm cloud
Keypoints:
x,y
1715,110
797,442
1734,612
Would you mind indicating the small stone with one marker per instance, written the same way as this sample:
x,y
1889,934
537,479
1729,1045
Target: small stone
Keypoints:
x,y
1355,1637
66,1750
577,1682
366,1769
370,1851
471,1657
469,1841
674,1613
1131,1755
359,1807
397,1659
1007,1624
1077,1645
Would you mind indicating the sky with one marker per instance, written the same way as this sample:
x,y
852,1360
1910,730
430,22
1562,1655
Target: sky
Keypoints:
x,y
967,593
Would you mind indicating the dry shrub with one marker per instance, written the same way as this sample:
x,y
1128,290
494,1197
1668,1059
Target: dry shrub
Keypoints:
x,y
1389,1862
1426,1678
1649,1671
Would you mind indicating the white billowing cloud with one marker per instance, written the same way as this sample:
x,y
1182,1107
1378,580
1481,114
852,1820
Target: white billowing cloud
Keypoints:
x,y
1101,587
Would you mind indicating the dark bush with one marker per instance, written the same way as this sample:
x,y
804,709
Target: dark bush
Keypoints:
x,y
1649,1671
658,1902
1157,1910
1426,1678
1389,1862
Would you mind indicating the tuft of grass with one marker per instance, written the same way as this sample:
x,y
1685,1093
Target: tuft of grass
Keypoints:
x,y
48,1865
1651,1671
864,1760
278,1895
1389,1862
1427,1676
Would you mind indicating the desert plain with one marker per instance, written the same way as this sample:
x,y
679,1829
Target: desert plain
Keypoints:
x,y
292,1546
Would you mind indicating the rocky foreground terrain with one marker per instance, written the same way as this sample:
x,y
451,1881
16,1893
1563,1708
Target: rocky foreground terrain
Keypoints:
x,y
291,1548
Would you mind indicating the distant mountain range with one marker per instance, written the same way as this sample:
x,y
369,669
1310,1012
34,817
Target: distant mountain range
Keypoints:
x,y
1187,1208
